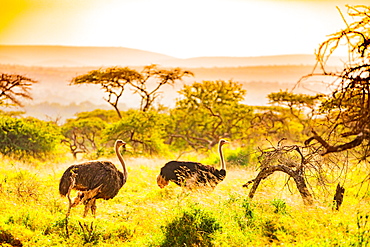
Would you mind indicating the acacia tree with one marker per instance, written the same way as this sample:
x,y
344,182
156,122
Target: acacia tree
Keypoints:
x,y
145,131
298,104
84,134
115,80
208,111
13,88
161,77
112,80
290,116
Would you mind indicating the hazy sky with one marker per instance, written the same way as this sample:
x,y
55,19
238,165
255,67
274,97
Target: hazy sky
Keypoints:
x,y
179,28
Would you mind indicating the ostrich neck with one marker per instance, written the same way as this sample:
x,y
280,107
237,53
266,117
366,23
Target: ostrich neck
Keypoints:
x,y
121,160
223,167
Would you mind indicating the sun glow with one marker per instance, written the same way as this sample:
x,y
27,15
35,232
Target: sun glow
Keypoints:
x,y
178,28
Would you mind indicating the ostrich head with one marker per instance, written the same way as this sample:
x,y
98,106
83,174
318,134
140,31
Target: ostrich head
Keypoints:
x,y
162,182
120,143
222,142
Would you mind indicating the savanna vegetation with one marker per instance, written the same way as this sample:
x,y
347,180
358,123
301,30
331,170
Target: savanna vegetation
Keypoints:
x,y
297,170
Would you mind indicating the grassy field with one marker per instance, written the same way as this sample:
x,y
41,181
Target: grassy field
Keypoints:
x,y
32,213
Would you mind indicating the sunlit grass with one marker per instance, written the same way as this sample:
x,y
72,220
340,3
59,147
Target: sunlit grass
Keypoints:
x,y
142,214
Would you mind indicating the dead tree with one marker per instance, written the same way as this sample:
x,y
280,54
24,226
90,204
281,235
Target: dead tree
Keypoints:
x,y
338,148
13,88
287,159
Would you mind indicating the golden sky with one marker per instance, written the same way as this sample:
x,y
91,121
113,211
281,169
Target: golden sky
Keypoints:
x,y
179,28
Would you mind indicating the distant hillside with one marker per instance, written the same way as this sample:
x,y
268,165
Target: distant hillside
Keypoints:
x,y
77,56
69,56
244,61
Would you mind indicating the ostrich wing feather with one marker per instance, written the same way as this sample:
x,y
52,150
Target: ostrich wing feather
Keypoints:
x,y
91,175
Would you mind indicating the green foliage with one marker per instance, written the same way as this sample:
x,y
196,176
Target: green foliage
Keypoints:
x,y
108,116
298,101
209,111
33,213
144,131
113,77
24,185
90,233
240,157
193,227
277,122
363,230
211,94
85,128
249,211
85,133
269,229
27,136
279,205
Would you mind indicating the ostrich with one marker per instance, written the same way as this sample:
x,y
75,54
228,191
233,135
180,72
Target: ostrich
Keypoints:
x,y
188,174
94,180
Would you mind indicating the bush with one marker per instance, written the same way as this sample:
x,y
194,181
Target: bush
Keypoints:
x,y
145,131
27,136
280,206
238,157
192,228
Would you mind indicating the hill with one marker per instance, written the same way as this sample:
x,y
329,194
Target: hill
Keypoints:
x,y
77,56
70,56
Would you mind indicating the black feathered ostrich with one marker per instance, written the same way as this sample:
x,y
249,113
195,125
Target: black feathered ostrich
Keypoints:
x,y
94,180
192,174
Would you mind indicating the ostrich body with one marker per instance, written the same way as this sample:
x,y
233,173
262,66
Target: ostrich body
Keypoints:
x,y
94,179
188,174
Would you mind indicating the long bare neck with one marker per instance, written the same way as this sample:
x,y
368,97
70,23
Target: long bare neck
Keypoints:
x,y
223,166
116,146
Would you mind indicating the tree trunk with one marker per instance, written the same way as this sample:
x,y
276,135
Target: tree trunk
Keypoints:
x,y
297,175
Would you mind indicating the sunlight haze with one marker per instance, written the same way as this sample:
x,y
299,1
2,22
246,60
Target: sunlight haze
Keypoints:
x,y
182,29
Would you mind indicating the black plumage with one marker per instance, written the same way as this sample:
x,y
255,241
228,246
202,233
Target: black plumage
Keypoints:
x,y
92,174
192,174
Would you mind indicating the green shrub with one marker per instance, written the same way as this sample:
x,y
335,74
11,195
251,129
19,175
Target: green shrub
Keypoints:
x,y
22,185
249,213
280,206
363,230
144,131
238,157
192,228
27,136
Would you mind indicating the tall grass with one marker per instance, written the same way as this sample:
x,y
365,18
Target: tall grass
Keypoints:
x,y
33,213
